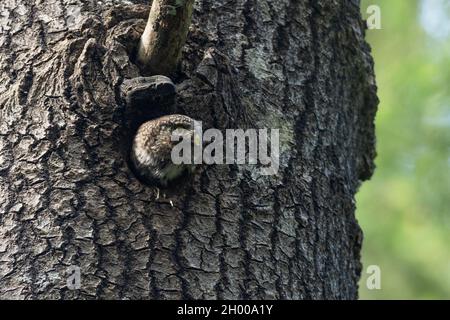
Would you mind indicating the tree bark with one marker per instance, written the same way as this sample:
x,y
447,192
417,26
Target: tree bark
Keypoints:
x,y
68,197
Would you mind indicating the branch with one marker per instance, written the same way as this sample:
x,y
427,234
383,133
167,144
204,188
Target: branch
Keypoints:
x,y
162,42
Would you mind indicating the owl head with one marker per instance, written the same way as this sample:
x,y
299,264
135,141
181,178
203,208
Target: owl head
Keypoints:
x,y
151,154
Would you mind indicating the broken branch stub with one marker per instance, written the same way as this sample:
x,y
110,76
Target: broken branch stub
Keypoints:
x,y
162,42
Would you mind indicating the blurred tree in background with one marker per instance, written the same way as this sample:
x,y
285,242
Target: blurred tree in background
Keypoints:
x,y
405,209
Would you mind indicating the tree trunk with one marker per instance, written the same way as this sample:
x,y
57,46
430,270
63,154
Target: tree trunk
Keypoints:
x,y
68,197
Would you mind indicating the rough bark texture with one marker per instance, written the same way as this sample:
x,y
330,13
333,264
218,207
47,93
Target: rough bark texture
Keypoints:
x,y
164,37
69,198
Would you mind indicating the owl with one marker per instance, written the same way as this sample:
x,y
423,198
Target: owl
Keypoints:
x,y
152,149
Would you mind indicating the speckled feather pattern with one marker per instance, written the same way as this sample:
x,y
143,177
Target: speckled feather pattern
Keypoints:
x,y
152,147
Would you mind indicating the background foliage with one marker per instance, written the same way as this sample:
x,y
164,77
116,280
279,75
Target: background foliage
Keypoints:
x,y
404,209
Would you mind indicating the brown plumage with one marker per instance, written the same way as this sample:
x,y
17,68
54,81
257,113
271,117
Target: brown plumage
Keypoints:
x,y
152,147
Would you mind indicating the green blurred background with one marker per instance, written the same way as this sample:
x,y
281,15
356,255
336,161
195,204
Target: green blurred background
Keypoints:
x,y
405,209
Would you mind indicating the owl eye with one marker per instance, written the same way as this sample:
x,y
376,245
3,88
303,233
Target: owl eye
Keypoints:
x,y
197,140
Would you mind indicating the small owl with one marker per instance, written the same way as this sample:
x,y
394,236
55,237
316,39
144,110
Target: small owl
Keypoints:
x,y
152,148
